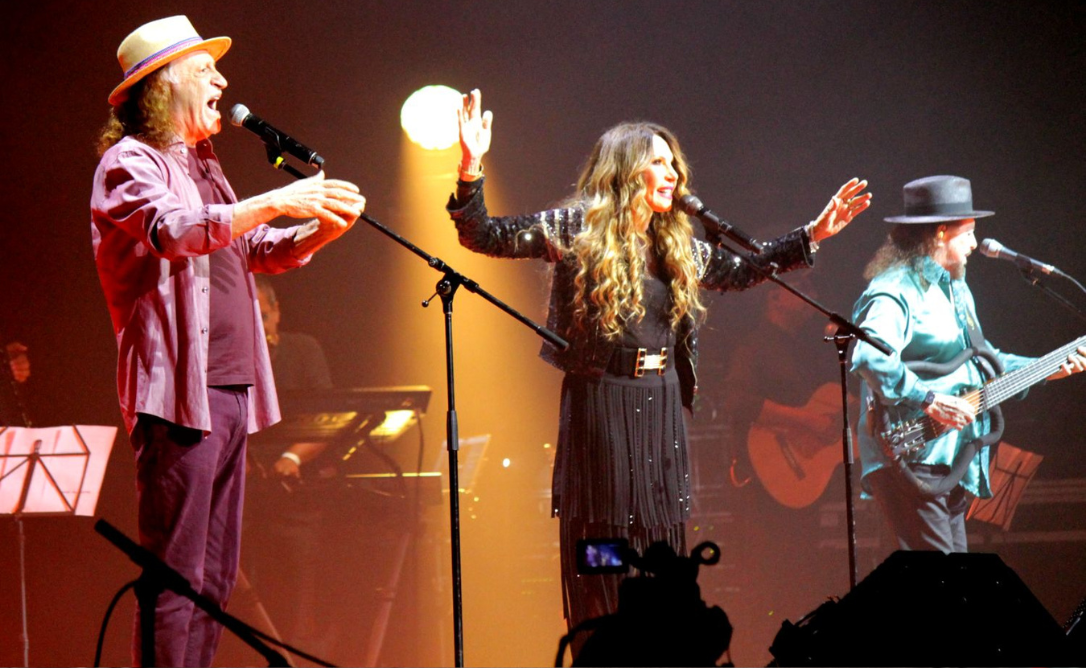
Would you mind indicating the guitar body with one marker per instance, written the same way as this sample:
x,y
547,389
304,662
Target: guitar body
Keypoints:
x,y
903,431
795,465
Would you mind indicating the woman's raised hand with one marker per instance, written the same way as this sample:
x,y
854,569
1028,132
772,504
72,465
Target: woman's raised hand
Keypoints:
x,y
475,127
842,208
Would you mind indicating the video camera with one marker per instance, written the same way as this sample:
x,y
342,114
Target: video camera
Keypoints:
x,y
661,619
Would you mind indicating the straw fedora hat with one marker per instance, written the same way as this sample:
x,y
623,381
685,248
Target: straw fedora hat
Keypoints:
x,y
938,199
158,43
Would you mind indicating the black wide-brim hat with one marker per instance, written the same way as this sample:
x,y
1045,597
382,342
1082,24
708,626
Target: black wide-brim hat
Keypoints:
x,y
938,199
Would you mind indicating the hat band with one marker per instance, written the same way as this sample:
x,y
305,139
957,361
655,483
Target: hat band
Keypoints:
x,y
939,208
161,54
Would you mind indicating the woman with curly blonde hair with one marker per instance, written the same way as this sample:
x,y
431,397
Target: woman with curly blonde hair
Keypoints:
x,y
628,271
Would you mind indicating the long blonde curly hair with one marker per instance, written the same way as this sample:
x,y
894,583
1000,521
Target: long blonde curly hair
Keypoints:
x,y
611,251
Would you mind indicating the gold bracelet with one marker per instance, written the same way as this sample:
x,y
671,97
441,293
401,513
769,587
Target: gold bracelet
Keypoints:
x,y
471,174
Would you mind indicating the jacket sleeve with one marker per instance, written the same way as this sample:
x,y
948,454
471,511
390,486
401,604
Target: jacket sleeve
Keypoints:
x,y
1010,361
540,235
271,249
133,193
886,317
720,269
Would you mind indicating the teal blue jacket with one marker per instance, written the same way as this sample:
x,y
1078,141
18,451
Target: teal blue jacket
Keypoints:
x,y
922,315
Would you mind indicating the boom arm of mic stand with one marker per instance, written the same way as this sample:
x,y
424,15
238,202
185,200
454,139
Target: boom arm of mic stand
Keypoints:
x,y
1033,279
468,284
844,325
276,160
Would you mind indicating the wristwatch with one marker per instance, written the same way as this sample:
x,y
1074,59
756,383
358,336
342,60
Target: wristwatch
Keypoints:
x,y
929,399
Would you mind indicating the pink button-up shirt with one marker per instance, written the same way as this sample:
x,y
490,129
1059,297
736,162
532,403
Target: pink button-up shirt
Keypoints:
x,y
152,235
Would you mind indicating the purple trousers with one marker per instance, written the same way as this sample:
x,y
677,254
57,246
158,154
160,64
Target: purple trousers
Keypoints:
x,y
190,488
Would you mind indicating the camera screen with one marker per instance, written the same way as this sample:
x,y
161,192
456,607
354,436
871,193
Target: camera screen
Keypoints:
x,y
602,555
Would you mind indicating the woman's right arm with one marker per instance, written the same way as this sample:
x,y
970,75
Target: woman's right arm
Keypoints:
x,y
507,236
522,237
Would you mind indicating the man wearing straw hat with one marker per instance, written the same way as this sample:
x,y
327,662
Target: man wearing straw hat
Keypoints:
x,y
175,252
919,305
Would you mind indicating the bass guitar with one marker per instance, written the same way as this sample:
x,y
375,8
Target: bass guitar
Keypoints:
x,y
905,432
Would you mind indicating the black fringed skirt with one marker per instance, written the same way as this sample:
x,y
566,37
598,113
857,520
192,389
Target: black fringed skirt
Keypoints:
x,y
621,457
621,471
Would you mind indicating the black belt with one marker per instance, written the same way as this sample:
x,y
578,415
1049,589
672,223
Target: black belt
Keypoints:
x,y
635,362
931,469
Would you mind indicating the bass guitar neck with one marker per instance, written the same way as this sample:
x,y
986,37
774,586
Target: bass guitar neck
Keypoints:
x,y
908,435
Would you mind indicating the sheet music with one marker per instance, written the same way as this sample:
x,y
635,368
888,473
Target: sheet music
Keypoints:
x,y
67,476
1009,475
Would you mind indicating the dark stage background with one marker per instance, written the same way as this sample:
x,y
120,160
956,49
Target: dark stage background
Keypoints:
x,y
777,103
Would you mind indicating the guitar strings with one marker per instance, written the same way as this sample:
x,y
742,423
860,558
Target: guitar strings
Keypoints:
x,y
1008,385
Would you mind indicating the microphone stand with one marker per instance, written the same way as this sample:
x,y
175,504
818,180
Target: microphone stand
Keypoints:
x,y
158,577
20,404
1031,277
446,288
846,332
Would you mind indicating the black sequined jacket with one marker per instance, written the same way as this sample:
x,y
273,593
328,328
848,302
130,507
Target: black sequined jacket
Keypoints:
x,y
541,235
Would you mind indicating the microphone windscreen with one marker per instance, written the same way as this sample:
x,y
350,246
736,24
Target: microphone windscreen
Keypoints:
x,y
690,205
238,114
990,248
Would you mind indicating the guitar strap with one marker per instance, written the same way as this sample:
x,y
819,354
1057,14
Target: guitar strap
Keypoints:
x,y
990,367
974,338
985,357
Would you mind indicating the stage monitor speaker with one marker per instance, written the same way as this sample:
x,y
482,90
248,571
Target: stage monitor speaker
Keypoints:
x,y
928,609
1076,634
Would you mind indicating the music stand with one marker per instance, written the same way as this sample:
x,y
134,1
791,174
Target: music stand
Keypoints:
x,y
1012,470
52,471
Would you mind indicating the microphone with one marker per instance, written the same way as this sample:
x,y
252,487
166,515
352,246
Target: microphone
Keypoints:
x,y
993,249
243,118
692,206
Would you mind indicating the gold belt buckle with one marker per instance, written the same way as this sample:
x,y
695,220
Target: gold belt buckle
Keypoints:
x,y
648,362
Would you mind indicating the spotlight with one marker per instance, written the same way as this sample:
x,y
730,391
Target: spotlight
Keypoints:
x,y
429,117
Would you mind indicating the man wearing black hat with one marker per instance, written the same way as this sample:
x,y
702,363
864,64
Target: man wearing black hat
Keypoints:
x,y
919,305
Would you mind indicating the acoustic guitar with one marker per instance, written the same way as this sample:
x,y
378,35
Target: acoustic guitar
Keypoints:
x,y
795,464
